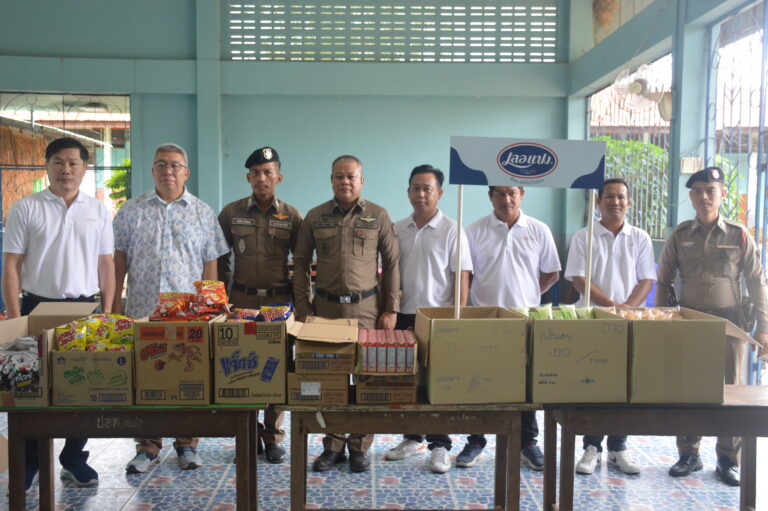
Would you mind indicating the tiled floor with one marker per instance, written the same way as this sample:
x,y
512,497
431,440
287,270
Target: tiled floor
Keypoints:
x,y
389,485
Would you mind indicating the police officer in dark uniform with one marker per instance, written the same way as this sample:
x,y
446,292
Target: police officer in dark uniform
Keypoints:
x,y
348,233
261,231
711,254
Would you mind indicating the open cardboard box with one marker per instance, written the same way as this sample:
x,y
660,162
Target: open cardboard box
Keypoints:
x,y
479,358
325,346
47,315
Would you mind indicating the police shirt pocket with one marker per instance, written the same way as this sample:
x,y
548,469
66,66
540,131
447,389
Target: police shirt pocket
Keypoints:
x,y
278,242
729,262
244,239
691,263
326,242
364,241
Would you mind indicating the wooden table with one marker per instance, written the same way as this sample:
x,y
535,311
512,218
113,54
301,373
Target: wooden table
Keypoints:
x,y
45,424
744,414
501,420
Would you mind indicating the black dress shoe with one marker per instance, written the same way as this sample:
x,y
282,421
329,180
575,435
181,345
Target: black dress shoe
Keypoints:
x,y
359,461
274,453
727,472
327,460
685,465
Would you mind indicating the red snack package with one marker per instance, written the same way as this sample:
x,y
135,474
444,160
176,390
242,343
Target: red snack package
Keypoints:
x,y
211,297
172,307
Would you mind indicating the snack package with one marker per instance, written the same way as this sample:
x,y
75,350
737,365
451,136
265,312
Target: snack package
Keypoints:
x,y
19,365
541,311
585,313
569,312
245,314
211,297
557,314
71,336
275,312
172,307
521,310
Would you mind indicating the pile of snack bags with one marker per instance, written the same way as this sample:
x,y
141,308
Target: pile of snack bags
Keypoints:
x,y
97,332
276,312
209,301
19,365
546,311
653,313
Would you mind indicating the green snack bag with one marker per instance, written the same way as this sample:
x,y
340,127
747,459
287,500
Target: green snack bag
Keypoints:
x,y
557,314
521,310
541,311
585,313
568,312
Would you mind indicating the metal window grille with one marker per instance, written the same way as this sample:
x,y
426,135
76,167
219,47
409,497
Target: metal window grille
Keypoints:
x,y
460,32
637,146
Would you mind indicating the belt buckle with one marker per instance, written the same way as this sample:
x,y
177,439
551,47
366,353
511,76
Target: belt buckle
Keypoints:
x,y
345,299
262,292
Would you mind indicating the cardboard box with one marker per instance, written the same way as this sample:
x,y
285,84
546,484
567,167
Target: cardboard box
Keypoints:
x,y
680,361
45,316
325,346
250,362
579,360
386,389
92,378
3,453
318,389
480,358
173,362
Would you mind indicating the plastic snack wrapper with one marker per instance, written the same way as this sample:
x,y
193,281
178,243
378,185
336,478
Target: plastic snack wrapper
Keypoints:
x,y
278,312
19,365
172,307
585,312
245,315
541,311
72,336
211,297
521,310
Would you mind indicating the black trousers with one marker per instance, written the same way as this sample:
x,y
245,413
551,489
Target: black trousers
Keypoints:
x,y
72,453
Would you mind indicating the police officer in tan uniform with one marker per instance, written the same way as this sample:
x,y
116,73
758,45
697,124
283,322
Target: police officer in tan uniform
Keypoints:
x,y
711,253
261,231
348,233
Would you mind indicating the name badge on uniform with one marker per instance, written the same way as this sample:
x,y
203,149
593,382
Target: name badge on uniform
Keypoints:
x,y
687,244
729,247
323,224
279,223
243,221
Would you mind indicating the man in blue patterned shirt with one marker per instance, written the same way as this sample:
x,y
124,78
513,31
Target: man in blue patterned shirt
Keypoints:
x,y
165,239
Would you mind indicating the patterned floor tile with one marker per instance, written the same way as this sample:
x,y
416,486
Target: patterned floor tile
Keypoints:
x,y
347,498
170,499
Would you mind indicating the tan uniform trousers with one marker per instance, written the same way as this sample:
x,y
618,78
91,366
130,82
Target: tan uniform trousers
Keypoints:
x,y
271,430
153,445
367,313
729,447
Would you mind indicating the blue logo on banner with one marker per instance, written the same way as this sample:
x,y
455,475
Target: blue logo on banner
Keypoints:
x,y
527,160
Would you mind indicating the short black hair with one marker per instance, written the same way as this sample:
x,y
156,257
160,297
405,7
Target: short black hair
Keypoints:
x,y
428,169
492,188
346,157
612,181
66,143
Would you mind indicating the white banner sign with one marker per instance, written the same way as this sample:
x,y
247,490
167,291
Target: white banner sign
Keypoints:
x,y
527,162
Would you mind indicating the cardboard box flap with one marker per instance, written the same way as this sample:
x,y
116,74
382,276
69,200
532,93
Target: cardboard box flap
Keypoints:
x,y
325,330
730,328
52,314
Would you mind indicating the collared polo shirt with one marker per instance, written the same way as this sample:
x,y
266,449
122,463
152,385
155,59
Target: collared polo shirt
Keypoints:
x,y
166,245
61,245
618,262
507,262
427,258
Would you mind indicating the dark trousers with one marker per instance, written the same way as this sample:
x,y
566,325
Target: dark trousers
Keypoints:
x,y
529,430
72,453
615,443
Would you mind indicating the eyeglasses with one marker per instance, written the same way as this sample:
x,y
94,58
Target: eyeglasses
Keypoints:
x,y
161,165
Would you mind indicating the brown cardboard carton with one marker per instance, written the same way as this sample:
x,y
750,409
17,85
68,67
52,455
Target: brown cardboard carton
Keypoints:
x,y
92,378
250,362
318,389
325,346
479,358
45,316
579,360
3,453
680,361
173,362
386,389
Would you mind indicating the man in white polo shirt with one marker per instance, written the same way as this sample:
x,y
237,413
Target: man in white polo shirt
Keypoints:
x,y
515,261
622,275
427,271
58,247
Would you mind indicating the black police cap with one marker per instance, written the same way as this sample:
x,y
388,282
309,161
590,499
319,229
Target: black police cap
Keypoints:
x,y
707,175
262,155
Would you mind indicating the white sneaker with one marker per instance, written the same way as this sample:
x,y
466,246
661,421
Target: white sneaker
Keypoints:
x,y
589,460
622,461
141,463
404,449
439,462
188,458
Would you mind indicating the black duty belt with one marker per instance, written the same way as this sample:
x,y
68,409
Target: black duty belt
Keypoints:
x,y
37,298
262,292
354,298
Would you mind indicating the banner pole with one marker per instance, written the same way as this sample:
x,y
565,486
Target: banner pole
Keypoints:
x,y
590,231
457,276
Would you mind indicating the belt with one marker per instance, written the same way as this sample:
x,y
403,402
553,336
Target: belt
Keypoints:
x,y
262,292
353,298
37,298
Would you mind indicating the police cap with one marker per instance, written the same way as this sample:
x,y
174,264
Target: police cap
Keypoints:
x,y
262,155
706,175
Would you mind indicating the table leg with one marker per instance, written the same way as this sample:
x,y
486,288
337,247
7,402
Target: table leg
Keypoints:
x,y
244,462
748,473
16,464
513,463
567,447
550,461
253,458
45,450
298,463
501,474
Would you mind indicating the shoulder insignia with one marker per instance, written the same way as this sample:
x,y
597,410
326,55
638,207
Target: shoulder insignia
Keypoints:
x,y
279,216
368,218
